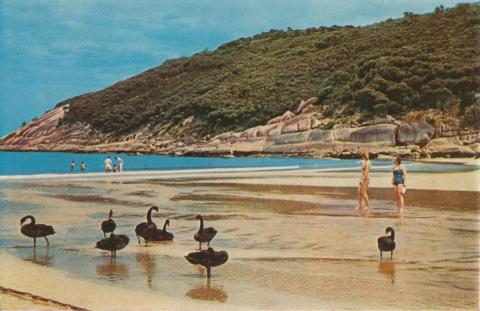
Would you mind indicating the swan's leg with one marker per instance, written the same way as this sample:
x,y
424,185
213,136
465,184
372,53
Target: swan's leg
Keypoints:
x,y
138,238
200,245
46,240
34,242
380,255
391,255
208,272
208,244
104,235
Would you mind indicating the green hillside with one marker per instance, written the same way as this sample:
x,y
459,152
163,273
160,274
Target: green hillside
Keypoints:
x,y
414,63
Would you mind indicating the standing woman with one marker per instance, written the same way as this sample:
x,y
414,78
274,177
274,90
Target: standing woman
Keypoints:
x,y
398,181
364,181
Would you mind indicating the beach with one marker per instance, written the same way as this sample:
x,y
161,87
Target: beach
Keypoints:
x,y
293,236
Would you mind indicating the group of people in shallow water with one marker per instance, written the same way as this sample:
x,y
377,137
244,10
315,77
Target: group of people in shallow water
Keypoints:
x,y
113,167
398,181
82,166
109,165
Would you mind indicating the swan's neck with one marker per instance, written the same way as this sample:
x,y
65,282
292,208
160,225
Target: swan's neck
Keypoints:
x,y
149,216
201,225
392,234
165,226
32,219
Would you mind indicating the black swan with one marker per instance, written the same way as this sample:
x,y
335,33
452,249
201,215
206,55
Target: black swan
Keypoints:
x,y
146,229
387,243
35,231
113,243
163,235
207,258
204,234
108,226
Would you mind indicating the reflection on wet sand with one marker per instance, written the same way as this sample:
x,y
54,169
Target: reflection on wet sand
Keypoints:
x,y
40,257
147,261
205,291
387,268
112,270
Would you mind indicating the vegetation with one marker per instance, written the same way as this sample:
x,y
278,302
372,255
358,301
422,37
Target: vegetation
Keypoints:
x,y
415,63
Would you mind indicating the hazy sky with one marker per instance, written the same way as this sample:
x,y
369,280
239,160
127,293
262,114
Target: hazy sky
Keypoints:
x,y
53,50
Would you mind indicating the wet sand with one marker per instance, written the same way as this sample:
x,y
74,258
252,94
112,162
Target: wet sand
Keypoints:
x,y
293,237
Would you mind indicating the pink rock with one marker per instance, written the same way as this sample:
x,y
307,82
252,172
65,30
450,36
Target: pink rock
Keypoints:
x,y
284,117
312,100
301,106
308,108
378,135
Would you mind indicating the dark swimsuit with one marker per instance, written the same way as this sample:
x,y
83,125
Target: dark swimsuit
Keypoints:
x,y
398,177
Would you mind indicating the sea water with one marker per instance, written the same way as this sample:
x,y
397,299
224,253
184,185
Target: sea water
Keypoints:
x,y
27,163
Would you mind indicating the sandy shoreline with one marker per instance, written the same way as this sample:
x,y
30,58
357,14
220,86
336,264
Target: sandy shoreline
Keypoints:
x,y
289,193
458,181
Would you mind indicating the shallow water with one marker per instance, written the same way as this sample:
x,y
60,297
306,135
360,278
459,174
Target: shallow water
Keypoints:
x,y
27,163
288,249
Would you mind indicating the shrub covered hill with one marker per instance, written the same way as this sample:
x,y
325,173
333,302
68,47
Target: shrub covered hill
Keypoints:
x,y
415,63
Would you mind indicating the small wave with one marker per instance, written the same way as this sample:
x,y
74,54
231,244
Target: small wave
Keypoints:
x,y
147,173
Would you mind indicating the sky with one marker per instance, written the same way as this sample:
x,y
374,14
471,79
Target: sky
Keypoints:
x,y
51,50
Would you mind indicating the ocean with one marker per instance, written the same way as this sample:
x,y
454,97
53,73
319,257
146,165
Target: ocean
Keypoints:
x,y
28,163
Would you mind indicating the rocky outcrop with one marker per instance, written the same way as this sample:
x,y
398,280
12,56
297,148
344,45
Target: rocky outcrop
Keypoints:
x,y
449,147
284,117
418,133
301,134
376,135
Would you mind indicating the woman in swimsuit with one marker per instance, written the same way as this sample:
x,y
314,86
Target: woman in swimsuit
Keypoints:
x,y
399,181
364,182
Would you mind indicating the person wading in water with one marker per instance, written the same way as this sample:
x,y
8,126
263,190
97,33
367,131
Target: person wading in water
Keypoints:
x,y
364,182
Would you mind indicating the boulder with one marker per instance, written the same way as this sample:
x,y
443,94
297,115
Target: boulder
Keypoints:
x,y
292,138
321,136
375,121
250,133
298,124
277,130
315,123
418,133
304,124
321,139
284,117
377,135
263,131
224,136
312,100
290,128
308,108
449,147
301,106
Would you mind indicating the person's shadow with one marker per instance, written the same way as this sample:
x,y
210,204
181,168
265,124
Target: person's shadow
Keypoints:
x,y
206,291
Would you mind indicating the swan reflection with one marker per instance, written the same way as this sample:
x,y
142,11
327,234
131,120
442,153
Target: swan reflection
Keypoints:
x,y
41,257
388,268
206,291
147,261
112,270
